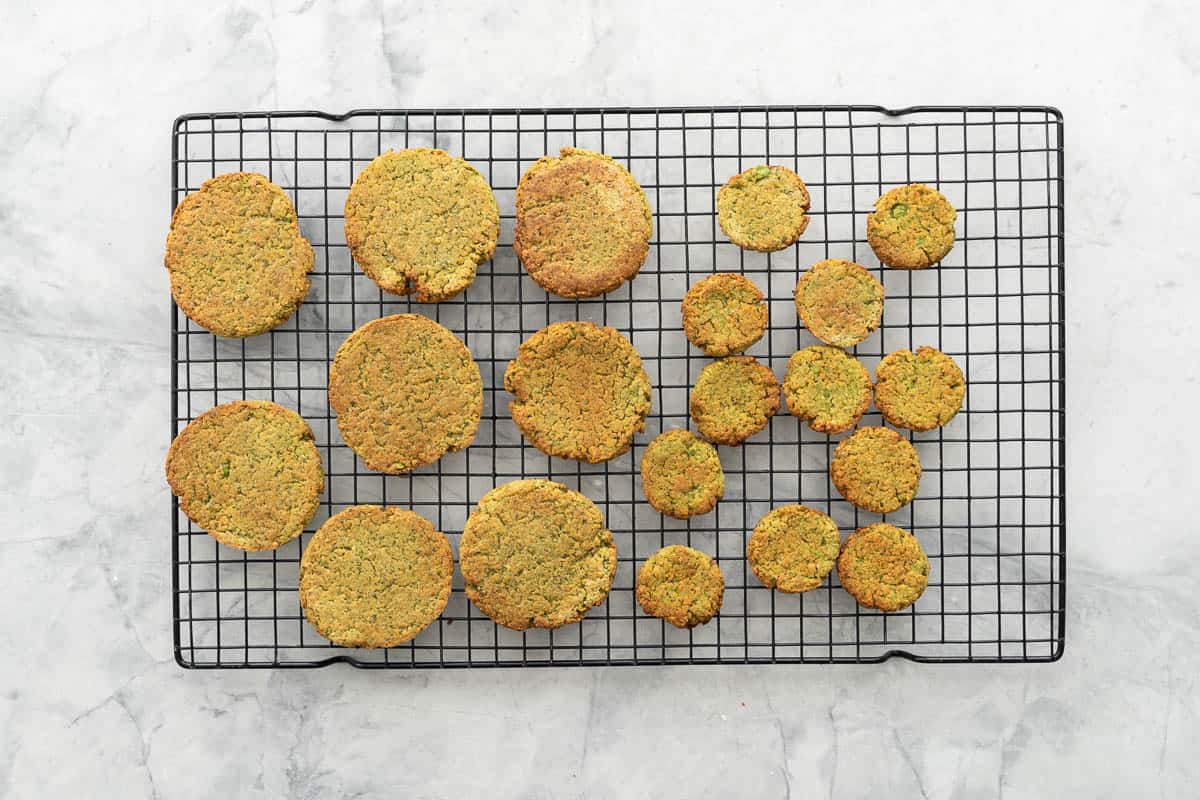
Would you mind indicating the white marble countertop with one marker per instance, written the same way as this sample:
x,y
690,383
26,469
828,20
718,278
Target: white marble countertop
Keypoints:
x,y
92,703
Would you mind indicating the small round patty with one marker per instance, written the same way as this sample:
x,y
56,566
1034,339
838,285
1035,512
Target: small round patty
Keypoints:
x,y
535,554
724,314
421,221
375,577
764,208
681,585
839,302
406,392
237,261
912,227
827,387
793,548
248,473
920,391
682,475
733,399
883,567
583,223
876,469
579,391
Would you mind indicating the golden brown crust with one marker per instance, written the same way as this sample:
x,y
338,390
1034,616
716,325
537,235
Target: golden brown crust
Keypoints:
x,y
681,585
579,391
237,262
883,567
682,475
583,223
876,469
912,227
535,554
793,548
920,391
248,473
422,221
406,392
724,314
733,399
828,388
764,208
840,302
375,577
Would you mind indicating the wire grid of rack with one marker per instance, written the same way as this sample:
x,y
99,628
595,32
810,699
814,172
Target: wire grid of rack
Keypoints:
x,y
990,510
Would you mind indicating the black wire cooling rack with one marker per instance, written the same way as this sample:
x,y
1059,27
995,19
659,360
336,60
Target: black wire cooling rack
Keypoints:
x,y
990,511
